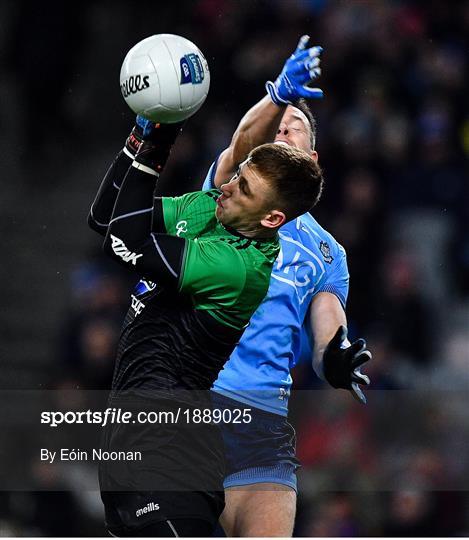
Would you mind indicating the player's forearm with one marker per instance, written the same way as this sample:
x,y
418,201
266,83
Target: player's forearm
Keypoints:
x,y
258,126
327,314
317,361
103,205
130,223
132,214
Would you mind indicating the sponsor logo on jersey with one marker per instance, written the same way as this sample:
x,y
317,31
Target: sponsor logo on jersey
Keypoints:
x,y
191,69
120,249
326,252
132,85
137,305
181,227
150,507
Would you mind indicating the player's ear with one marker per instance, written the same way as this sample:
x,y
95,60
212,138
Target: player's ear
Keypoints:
x,y
274,219
314,155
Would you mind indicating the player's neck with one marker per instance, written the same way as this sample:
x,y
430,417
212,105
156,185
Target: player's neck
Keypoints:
x,y
255,232
259,233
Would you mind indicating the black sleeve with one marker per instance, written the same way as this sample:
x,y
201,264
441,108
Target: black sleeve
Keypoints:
x,y
130,239
103,205
128,210
152,154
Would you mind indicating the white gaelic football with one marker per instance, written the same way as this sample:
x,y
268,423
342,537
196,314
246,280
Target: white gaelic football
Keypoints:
x,y
165,78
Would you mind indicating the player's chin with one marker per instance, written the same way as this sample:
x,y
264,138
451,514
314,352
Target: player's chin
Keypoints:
x,y
225,219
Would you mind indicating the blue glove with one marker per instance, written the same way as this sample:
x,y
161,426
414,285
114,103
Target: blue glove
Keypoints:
x,y
299,70
146,126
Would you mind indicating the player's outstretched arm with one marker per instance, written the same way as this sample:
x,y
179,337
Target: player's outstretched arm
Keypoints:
x,y
103,205
260,124
135,236
335,359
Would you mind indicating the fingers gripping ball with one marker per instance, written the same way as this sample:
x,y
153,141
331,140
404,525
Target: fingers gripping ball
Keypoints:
x,y
165,78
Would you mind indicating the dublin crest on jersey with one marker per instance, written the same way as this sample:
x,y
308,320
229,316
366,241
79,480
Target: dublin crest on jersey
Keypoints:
x,y
326,252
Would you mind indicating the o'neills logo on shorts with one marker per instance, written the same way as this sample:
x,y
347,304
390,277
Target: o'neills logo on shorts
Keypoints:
x,y
150,507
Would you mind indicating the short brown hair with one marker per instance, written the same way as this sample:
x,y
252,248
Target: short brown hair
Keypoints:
x,y
295,177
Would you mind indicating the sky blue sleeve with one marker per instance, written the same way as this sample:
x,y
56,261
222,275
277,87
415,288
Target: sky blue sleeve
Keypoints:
x,y
337,281
209,179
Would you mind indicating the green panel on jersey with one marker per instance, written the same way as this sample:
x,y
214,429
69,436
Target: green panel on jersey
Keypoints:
x,y
226,274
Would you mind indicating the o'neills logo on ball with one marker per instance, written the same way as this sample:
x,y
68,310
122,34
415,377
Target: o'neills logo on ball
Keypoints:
x,y
132,85
150,507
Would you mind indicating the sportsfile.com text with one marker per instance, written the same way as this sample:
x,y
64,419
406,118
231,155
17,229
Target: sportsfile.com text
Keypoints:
x,y
114,415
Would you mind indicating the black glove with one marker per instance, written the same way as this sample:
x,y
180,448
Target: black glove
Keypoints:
x,y
341,366
150,143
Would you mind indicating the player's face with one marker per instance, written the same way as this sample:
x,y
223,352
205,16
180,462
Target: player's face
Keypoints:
x,y
294,130
245,199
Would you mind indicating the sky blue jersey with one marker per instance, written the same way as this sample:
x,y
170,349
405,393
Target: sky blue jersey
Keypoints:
x,y
310,261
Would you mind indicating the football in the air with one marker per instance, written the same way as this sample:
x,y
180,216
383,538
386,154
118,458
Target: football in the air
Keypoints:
x,y
165,78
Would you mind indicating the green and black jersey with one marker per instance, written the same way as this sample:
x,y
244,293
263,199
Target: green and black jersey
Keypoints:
x,y
202,283
224,273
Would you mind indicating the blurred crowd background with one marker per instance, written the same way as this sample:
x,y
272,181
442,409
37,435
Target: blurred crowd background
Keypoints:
x,y
393,139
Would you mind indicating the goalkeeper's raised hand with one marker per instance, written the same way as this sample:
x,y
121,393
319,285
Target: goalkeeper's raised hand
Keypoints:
x,y
299,70
341,365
